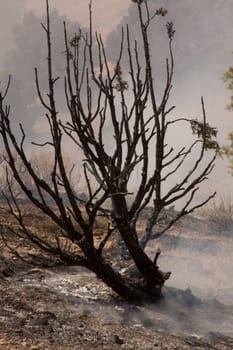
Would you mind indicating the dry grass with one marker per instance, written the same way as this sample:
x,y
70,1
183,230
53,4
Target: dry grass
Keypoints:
x,y
219,213
45,228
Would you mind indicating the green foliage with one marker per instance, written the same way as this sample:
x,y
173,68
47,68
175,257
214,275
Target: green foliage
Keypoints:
x,y
121,84
228,150
75,40
228,78
170,30
206,133
160,12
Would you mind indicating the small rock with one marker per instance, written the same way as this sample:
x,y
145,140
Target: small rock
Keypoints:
x,y
118,340
42,318
7,272
3,342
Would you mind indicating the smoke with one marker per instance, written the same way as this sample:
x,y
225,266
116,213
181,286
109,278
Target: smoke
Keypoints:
x,y
198,296
106,13
201,263
202,53
10,14
197,300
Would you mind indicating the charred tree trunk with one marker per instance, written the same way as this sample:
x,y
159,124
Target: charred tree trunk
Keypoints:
x,y
153,278
126,289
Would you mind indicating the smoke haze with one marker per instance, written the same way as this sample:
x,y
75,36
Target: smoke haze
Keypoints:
x,y
107,13
202,49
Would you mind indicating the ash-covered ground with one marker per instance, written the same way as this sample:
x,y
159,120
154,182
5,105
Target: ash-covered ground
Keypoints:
x,y
69,308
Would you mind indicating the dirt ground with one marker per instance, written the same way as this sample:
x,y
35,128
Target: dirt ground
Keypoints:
x,y
68,308
36,314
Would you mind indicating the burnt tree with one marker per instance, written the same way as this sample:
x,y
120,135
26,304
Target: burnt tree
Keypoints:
x,y
120,125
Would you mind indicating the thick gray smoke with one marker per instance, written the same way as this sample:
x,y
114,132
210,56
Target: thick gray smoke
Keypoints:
x,y
202,53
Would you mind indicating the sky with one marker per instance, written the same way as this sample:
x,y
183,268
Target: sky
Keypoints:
x,y
203,81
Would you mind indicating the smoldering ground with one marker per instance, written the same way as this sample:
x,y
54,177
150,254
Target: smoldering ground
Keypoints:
x,y
197,299
200,257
